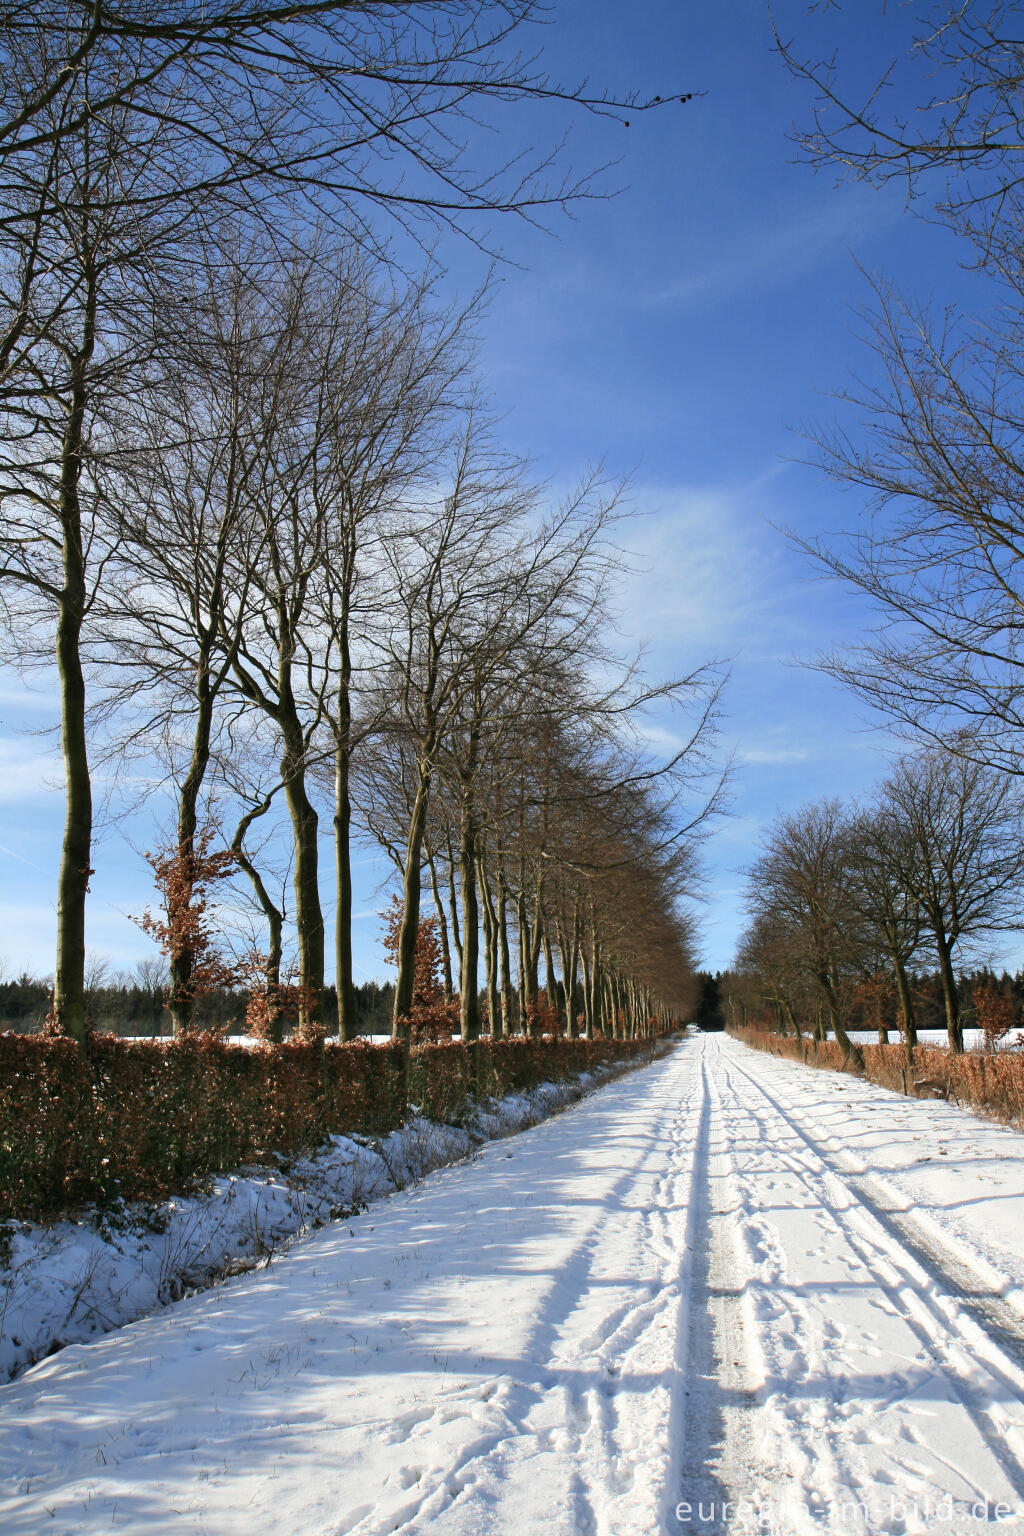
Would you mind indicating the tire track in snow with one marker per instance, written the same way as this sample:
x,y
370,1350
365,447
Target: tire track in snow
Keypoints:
x,y
962,1333
621,1422
717,1354
980,1298
991,1322
602,1401
985,1305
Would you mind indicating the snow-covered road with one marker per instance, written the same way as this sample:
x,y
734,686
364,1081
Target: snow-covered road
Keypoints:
x,y
724,1294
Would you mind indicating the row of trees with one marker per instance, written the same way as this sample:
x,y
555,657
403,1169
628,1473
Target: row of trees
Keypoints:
x,y
846,904
254,511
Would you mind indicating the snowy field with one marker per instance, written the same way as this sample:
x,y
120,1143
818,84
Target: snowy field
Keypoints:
x,y
974,1039
726,1293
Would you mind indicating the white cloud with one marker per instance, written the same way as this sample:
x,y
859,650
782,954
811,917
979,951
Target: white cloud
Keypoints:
x,y
742,830
663,742
28,772
710,574
770,755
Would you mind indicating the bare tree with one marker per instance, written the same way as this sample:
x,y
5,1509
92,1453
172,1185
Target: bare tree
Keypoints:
x,y
396,372
885,904
596,853
771,951
546,609
940,454
803,880
938,446
75,271
361,101
277,667
942,106
247,771
953,837
446,575
189,534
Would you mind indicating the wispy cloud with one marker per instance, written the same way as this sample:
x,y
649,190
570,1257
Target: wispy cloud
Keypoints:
x,y
31,694
787,247
710,575
27,773
663,742
772,755
11,854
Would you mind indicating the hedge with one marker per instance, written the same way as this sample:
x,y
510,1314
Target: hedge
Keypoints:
x,y
992,1081
140,1119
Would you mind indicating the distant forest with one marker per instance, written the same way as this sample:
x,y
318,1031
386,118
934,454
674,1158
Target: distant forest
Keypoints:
x,y
725,997
128,1008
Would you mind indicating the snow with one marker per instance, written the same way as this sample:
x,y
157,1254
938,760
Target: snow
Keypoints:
x,y
68,1281
726,1293
974,1039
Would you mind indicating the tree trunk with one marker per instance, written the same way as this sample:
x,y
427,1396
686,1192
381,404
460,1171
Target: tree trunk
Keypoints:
x,y
76,848
344,979
852,1052
348,1028
789,1014
909,1030
456,934
409,930
501,920
347,1024
275,923
533,962
570,951
954,1023
550,983
490,951
309,920
594,1010
181,963
588,997
442,930
527,992
469,1000
275,950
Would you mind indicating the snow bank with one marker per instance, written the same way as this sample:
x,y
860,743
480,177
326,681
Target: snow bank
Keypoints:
x,y
67,1282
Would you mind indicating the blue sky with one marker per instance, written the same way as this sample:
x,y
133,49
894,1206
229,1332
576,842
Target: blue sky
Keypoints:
x,y
683,331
